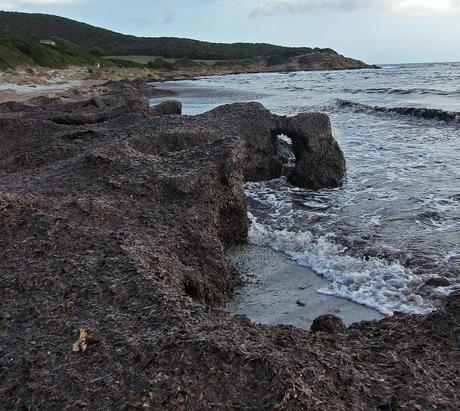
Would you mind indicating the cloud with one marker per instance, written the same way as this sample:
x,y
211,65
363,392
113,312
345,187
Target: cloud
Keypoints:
x,y
413,7
12,4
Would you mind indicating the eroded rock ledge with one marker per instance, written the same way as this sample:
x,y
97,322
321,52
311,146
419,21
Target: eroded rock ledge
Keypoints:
x,y
115,219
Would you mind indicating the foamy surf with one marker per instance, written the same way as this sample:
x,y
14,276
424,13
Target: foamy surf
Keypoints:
x,y
416,112
394,224
375,283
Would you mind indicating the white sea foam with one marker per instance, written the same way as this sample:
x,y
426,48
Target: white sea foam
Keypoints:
x,y
400,200
453,254
285,138
387,287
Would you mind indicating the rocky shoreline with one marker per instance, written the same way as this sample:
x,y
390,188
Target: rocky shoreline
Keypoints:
x,y
23,83
279,291
116,218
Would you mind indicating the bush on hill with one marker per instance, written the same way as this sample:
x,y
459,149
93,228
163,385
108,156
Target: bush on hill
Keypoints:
x,y
16,51
277,60
160,64
98,41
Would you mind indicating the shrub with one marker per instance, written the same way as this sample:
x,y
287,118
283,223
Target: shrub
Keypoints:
x,y
161,64
18,51
125,63
96,51
187,63
277,60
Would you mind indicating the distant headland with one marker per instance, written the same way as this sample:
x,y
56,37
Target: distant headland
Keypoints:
x,y
57,42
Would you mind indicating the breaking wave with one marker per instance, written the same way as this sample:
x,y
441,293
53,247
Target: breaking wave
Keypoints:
x,y
423,113
403,92
395,222
373,282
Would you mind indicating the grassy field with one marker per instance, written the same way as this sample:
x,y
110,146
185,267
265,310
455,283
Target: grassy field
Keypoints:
x,y
139,59
147,59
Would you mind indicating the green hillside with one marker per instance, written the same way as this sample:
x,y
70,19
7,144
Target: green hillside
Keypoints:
x,y
20,52
102,42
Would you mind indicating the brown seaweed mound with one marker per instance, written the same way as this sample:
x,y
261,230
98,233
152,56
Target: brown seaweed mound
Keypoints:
x,y
115,220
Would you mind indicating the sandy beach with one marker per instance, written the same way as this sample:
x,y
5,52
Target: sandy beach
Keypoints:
x,y
278,291
21,84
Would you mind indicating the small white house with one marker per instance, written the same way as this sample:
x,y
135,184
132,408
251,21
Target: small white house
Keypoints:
x,y
48,42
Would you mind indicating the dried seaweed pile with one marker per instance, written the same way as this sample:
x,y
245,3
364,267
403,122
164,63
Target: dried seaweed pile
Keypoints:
x,y
115,218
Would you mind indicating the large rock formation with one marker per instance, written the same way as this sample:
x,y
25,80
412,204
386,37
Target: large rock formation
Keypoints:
x,y
319,159
114,225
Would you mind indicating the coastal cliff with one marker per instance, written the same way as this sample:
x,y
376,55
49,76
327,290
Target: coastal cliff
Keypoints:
x,y
116,218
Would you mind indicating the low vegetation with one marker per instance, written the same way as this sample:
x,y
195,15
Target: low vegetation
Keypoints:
x,y
101,42
17,51
75,43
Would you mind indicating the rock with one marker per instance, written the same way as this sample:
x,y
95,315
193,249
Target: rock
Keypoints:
x,y
256,127
300,303
167,108
122,226
285,153
387,403
319,160
329,324
438,282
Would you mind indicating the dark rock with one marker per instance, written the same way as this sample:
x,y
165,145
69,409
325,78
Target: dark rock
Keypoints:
x,y
167,108
285,153
387,403
319,159
438,282
319,162
329,324
121,227
300,303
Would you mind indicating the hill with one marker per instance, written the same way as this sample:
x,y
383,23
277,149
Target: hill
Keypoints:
x,y
102,42
21,52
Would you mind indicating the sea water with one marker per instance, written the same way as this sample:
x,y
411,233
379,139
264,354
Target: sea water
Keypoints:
x,y
395,221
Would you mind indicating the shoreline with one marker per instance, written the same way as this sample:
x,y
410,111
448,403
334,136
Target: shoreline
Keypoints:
x,y
54,82
116,220
278,291
277,71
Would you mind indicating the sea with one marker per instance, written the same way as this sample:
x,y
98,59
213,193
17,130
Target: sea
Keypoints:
x,y
394,224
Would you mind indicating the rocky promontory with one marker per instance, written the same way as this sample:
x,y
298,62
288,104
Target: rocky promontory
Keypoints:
x,y
116,218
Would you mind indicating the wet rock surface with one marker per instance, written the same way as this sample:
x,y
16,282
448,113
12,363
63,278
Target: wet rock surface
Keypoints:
x,y
319,160
328,324
115,221
438,282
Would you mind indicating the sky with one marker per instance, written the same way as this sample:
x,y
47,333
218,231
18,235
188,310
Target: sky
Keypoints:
x,y
376,31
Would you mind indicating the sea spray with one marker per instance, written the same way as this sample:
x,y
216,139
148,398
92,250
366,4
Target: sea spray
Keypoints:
x,y
395,222
387,287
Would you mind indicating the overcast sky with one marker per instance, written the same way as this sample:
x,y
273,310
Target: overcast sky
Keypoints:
x,y
377,31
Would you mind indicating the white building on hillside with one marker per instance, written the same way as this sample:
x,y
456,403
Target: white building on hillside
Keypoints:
x,y
48,42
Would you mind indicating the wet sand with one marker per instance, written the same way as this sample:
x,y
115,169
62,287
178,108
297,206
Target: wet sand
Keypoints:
x,y
277,290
